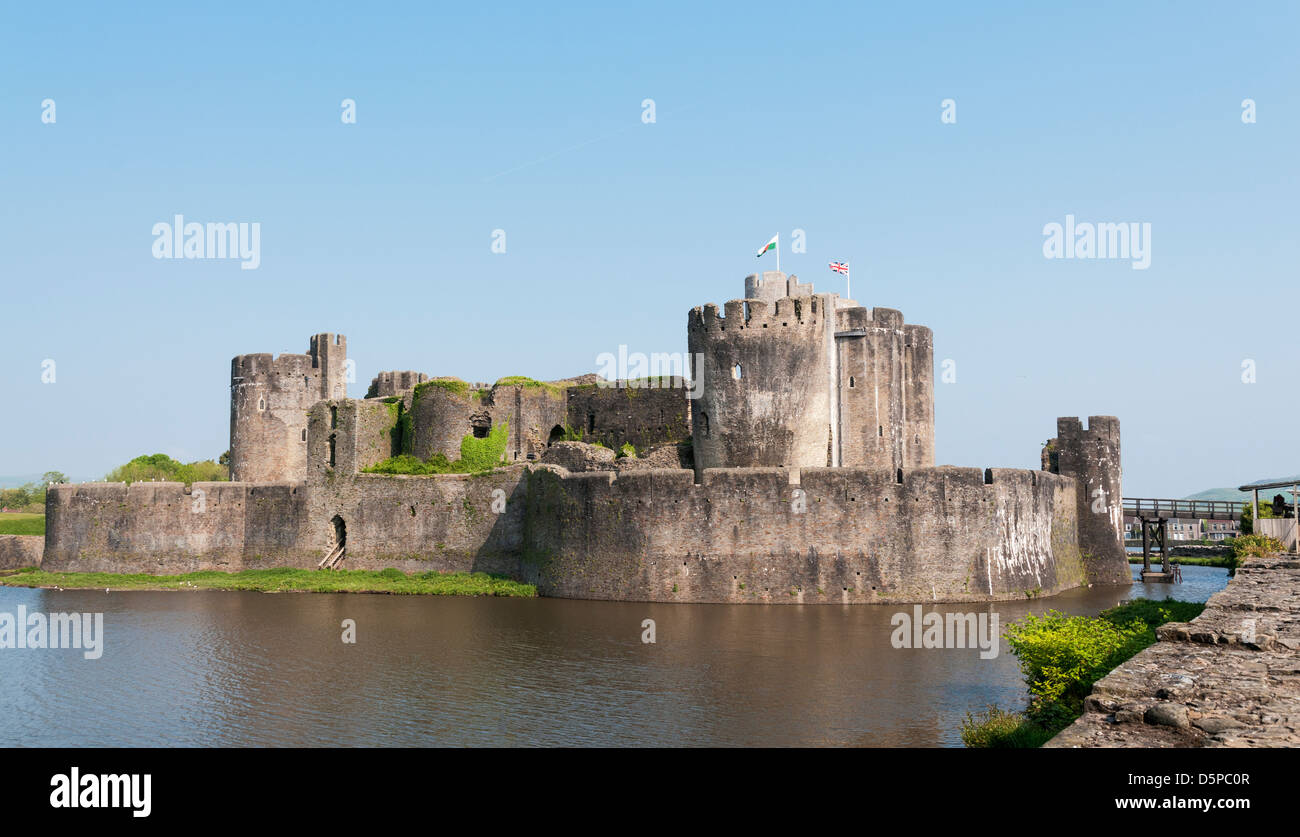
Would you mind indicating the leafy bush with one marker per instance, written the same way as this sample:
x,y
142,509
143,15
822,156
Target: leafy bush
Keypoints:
x,y
628,450
1062,657
1256,546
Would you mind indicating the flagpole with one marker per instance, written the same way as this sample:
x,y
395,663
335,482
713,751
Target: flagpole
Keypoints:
x,y
848,280
778,252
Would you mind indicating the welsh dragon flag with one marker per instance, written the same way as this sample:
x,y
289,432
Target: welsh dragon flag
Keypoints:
x,y
771,245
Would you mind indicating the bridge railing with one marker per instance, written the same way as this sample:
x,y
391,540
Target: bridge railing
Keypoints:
x,y
1186,509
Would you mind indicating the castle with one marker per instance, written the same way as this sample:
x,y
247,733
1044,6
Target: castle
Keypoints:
x,y
803,472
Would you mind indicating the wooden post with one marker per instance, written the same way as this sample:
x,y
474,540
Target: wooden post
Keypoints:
x,y
1146,548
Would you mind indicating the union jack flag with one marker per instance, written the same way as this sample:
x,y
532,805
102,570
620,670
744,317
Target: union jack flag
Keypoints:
x,y
840,267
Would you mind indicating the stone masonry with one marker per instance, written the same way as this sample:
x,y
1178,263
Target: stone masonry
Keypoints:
x,y
1228,678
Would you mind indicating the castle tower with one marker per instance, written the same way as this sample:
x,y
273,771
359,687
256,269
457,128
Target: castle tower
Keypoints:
x,y
796,378
269,400
886,390
765,397
1091,457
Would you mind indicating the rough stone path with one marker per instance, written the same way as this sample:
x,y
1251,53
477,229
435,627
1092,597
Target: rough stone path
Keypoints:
x,y
1228,678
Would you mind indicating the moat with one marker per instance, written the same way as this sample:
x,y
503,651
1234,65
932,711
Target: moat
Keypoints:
x,y
254,669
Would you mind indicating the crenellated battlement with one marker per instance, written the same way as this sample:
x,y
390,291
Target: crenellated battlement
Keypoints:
x,y
740,314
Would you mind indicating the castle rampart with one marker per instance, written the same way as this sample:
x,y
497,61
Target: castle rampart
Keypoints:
x,y
165,527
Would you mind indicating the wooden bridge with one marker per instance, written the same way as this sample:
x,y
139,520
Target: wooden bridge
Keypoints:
x,y
1184,509
1154,515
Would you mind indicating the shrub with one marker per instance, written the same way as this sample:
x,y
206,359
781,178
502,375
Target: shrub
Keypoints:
x,y
1255,546
995,728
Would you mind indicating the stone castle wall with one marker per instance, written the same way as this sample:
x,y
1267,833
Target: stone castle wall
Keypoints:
x,y
743,535
164,527
839,535
641,416
21,551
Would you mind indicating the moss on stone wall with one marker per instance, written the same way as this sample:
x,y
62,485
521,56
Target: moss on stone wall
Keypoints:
x,y
476,455
531,383
488,452
454,386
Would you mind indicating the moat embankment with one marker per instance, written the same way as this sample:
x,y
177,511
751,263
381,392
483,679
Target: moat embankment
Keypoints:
x,y
1229,678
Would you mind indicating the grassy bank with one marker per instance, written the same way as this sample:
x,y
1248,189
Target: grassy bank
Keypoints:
x,y
1210,561
285,581
21,524
1062,657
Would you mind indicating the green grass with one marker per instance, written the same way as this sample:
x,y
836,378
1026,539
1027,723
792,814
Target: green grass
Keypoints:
x,y
284,581
22,524
1210,561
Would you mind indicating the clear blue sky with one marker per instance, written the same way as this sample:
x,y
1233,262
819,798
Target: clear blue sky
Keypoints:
x,y
770,118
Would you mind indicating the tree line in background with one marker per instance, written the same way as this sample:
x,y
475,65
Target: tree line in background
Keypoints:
x,y
30,497
160,467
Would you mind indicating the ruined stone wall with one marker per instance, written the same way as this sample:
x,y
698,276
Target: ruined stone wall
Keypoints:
x,y
164,527
440,418
269,399
886,390
21,551
389,384
839,536
532,412
445,522
347,436
764,396
1092,457
637,415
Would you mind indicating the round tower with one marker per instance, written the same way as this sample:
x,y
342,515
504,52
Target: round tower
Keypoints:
x,y
764,394
269,400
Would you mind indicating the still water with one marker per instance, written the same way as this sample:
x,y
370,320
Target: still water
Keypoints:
x,y
256,669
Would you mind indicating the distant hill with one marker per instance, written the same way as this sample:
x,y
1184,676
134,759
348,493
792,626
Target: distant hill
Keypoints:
x,y
1232,493
20,479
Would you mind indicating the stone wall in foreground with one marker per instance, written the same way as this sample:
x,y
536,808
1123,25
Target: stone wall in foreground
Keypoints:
x,y
21,551
1228,678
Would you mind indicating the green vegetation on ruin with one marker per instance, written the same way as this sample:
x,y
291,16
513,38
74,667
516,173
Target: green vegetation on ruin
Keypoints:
x,y
22,524
531,383
476,456
161,467
453,386
1061,658
285,581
